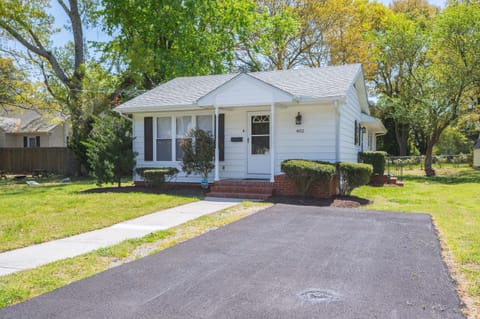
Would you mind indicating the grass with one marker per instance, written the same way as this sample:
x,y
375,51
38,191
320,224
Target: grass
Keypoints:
x,y
453,200
24,285
52,210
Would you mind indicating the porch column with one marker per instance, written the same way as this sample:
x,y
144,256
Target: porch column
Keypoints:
x,y
217,153
272,142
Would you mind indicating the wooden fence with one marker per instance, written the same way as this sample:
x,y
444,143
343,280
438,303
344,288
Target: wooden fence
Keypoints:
x,y
57,160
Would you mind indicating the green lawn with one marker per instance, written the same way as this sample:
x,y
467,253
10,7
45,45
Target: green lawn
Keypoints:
x,y
453,200
51,210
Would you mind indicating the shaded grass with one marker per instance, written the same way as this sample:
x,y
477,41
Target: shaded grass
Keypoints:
x,y
453,200
23,285
51,210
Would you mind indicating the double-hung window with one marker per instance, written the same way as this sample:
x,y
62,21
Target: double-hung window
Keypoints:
x,y
183,126
164,139
205,122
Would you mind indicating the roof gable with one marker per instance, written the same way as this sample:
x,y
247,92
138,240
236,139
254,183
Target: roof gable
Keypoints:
x,y
244,89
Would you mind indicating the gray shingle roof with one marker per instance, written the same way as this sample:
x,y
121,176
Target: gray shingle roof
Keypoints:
x,y
28,121
313,83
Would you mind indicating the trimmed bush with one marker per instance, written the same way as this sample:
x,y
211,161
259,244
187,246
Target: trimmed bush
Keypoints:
x,y
157,176
377,159
305,173
353,175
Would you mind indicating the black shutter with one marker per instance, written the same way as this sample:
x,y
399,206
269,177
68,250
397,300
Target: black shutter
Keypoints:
x,y
148,138
221,137
25,141
356,132
38,141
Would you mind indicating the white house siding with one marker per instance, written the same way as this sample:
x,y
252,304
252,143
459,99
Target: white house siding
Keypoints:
x,y
315,139
138,143
57,137
349,113
317,142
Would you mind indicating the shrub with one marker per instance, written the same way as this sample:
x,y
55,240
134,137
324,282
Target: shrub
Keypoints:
x,y
109,149
377,159
353,175
198,153
157,176
305,173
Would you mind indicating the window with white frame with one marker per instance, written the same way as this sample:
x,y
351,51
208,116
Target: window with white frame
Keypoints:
x,y
164,139
183,126
205,122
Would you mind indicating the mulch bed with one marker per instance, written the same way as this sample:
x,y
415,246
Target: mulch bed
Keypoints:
x,y
182,190
336,201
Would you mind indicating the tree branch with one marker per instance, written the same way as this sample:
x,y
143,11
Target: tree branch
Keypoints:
x,y
41,51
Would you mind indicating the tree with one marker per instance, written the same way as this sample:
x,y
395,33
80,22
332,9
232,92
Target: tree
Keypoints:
x,y
155,41
109,148
63,69
398,51
443,88
198,153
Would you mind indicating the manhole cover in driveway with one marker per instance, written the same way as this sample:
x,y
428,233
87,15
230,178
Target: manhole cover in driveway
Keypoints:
x,y
319,295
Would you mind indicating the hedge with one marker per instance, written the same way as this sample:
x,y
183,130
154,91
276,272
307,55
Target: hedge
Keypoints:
x,y
353,175
157,176
377,159
305,173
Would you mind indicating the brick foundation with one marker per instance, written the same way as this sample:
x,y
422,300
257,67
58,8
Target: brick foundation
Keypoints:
x,y
284,186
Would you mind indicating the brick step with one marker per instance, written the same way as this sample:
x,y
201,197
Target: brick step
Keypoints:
x,y
239,195
392,180
242,189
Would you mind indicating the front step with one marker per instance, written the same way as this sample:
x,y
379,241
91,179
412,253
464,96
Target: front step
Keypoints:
x,y
249,189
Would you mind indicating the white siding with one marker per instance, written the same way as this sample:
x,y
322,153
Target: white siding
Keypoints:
x,y
315,142
138,144
57,137
245,90
349,113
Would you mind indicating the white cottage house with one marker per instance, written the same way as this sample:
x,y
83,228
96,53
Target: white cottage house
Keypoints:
x,y
263,118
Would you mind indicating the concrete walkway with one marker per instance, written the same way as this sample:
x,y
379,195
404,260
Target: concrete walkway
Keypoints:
x,y
37,255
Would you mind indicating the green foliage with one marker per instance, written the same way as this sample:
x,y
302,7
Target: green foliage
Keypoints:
x,y
198,153
160,40
353,175
157,176
377,159
452,142
109,149
305,173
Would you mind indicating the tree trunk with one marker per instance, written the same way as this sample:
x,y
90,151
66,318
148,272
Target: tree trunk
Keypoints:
x,y
401,134
429,171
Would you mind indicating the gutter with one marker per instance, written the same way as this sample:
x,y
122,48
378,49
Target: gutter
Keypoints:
x,y
123,115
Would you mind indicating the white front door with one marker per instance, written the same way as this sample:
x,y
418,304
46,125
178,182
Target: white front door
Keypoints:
x,y
258,143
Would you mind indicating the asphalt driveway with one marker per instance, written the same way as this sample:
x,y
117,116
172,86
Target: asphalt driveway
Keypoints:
x,y
284,262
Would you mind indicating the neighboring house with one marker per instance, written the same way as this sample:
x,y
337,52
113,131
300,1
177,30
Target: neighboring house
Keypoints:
x,y
476,154
32,129
263,118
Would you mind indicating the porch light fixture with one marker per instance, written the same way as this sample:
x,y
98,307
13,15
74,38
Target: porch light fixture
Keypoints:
x,y
364,130
298,119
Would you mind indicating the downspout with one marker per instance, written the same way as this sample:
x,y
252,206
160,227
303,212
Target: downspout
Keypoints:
x,y
217,152
337,126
